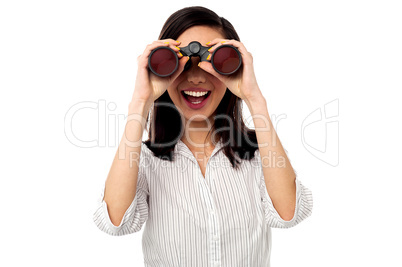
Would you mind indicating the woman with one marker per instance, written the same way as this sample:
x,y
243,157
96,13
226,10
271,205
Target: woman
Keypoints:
x,y
199,181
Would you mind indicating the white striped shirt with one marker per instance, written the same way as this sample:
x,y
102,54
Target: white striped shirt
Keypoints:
x,y
224,219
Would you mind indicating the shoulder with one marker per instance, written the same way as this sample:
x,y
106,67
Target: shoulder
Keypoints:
x,y
147,156
145,149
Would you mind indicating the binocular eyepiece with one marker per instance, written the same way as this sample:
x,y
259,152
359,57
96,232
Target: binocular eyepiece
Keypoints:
x,y
163,61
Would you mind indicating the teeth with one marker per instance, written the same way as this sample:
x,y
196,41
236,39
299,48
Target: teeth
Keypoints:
x,y
196,94
196,102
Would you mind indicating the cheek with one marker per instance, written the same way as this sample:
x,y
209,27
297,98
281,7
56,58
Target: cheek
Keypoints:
x,y
216,82
172,89
176,82
220,87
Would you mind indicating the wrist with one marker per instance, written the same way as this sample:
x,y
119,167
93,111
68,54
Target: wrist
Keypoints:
x,y
139,106
256,101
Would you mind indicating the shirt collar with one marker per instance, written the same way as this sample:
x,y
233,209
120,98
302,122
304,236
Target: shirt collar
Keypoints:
x,y
181,148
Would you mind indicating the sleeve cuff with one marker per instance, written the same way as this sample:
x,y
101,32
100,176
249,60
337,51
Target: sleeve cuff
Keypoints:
x,y
303,209
102,220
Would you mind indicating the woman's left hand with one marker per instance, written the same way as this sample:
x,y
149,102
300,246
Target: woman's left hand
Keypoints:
x,y
243,84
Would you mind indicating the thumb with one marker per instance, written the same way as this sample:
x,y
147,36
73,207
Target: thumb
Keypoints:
x,y
207,66
180,68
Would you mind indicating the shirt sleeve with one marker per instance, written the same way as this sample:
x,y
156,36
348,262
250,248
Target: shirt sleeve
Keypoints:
x,y
303,209
135,215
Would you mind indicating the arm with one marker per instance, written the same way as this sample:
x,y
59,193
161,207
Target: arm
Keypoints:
x,y
124,207
287,195
121,183
280,180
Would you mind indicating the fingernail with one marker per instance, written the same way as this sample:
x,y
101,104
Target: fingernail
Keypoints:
x,y
177,47
209,56
208,43
166,42
210,49
180,54
199,64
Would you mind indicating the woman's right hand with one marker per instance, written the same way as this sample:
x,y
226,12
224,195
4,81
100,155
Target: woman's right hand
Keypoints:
x,y
148,86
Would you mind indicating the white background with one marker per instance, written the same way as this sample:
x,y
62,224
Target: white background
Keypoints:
x,y
57,54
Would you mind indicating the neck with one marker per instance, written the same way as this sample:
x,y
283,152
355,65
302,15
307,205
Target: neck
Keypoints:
x,y
197,136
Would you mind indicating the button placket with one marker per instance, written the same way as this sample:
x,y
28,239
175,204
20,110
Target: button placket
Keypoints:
x,y
213,222
215,237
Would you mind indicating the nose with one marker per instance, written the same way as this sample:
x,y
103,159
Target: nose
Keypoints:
x,y
195,74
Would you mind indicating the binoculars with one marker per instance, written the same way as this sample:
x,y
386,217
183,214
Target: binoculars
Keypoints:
x,y
163,61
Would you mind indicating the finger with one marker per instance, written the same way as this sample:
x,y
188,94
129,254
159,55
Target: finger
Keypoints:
x,y
171,41
173,44
239,45
180,68
214,44
215,41
149,48
177,50
247,57
143,59
207,67
157,44
234,43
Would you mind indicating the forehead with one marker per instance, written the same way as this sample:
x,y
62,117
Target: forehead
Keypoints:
x,y
202,34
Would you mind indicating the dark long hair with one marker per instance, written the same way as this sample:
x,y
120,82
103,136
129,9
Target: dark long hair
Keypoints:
x,y
166,125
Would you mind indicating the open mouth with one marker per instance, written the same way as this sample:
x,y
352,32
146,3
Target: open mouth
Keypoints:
x,y
195,100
